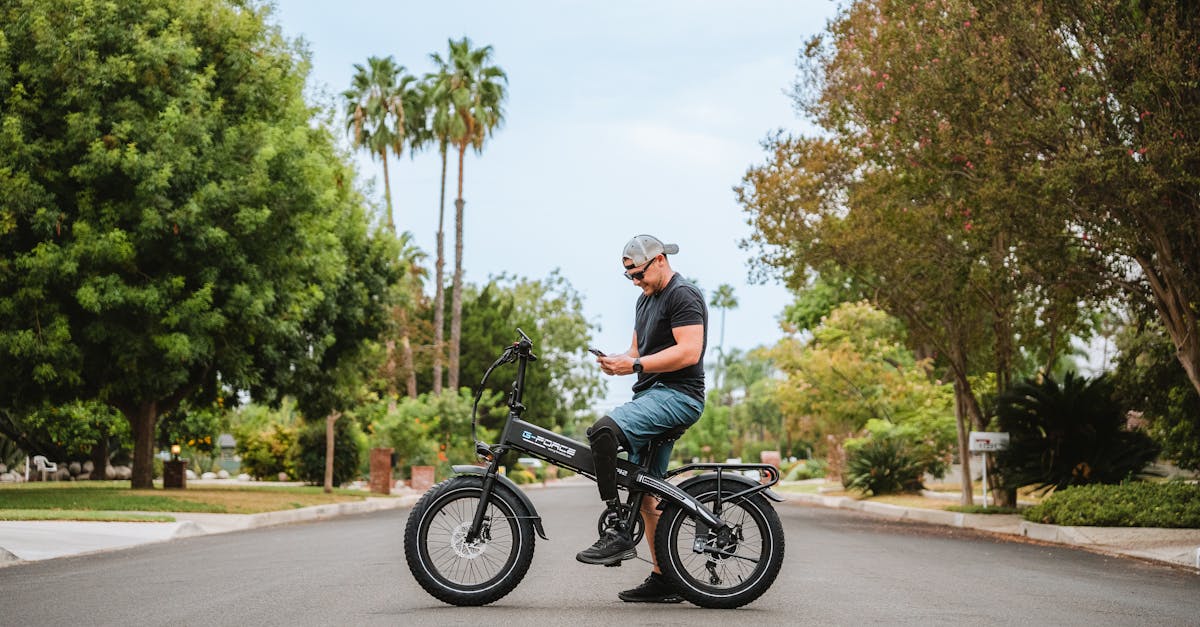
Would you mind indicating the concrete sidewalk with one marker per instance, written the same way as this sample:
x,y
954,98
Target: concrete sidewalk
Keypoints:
x,y
1177,547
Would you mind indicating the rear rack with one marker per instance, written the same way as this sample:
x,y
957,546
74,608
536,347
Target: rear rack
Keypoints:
x,y
768,476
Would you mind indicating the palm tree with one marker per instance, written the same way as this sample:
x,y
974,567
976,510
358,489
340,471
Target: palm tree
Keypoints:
x,y
383,113
724,300
477,90
438,89
379,105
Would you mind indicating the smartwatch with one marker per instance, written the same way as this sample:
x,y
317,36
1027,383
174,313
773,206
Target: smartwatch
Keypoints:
x,y
637,365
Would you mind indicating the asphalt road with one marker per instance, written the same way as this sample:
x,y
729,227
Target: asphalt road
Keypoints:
x,y
842,568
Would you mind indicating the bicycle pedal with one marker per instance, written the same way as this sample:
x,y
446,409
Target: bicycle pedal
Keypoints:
x,y
614,564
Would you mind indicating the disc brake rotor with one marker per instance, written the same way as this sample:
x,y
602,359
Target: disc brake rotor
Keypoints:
x,y
462,548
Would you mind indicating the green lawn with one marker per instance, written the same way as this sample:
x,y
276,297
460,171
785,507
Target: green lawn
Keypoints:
x,y
66,500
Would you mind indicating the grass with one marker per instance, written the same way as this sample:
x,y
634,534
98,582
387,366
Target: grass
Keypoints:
x,y
905,500
64,500
76,514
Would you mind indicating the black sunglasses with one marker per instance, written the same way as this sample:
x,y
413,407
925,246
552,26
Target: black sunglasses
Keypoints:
x,y
637,276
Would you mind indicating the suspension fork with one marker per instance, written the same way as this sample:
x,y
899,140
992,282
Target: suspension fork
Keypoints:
x,y
485,497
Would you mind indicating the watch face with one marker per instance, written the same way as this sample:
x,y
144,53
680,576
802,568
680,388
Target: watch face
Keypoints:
x,y
637,366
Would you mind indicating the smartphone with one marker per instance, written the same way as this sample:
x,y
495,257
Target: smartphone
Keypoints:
x,y
597,352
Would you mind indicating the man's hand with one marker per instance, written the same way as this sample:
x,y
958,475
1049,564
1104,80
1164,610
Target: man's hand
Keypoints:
x,y
618,365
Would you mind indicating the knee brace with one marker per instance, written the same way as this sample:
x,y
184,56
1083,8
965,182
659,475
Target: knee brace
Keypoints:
x,y
605,436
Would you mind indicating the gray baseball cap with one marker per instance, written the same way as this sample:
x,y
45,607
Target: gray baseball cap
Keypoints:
x,y
643,248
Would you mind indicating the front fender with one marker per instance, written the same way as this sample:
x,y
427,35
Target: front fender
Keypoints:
x,y
467,469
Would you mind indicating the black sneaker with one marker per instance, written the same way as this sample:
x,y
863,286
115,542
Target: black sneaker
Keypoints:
x,y
611,548
653,590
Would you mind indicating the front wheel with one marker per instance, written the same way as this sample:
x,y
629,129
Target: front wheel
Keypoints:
x,y
735,565
462,572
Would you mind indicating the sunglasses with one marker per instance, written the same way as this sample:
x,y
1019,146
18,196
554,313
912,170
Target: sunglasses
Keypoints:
x,y
640,274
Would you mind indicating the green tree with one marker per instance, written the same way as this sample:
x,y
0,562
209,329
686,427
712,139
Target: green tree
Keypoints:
x,y
170,218
560,384
857,369
477,91
1148,380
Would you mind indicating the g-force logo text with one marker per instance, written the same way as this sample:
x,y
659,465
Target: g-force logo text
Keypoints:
x,y
548,445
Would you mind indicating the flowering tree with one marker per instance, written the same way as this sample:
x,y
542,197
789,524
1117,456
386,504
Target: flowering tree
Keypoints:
x,y
930,186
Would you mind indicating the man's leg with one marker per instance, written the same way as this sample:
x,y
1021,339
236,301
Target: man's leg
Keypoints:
x,y
614,545
650,515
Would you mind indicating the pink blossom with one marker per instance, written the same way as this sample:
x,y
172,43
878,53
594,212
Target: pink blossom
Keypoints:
x,y
967,226
967,23
879,85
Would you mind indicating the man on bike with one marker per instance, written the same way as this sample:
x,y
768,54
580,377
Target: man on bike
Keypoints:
x,y
667,355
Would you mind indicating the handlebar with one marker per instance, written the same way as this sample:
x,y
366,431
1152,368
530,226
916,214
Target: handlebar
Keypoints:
x,y
521,351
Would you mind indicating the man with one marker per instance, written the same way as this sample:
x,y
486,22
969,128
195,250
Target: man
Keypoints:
x,y
667,354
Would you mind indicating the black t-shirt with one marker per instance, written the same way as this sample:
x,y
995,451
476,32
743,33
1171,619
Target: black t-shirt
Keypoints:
x,y
680,304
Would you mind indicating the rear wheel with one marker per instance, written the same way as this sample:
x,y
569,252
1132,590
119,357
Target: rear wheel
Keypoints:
x,y
462,572
737,564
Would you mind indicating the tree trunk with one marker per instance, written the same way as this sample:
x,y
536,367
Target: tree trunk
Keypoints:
x,y
329,420
142,418
410,370
390,343
439,299
456,288
964,454
387,194
1175,309
99,458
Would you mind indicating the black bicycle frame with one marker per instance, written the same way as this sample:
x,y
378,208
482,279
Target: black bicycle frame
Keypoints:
x,y
557,449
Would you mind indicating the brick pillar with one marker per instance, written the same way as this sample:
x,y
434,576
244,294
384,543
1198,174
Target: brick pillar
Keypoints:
x,y
422,478
381,470
175,473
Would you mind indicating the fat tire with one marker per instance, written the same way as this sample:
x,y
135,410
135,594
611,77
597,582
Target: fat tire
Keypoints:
x,y
417,549
673,523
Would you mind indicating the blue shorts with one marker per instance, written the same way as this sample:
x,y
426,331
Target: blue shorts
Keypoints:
x,y
654,411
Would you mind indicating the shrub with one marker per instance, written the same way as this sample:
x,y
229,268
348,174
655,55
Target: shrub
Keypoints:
x,y
265,454
349,444
521,477
882,465
1068,435
805,469
1134,504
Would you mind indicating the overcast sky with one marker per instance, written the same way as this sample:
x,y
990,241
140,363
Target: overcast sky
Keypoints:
x,y
622,118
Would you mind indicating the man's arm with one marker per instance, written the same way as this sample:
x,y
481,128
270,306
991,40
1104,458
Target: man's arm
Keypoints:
x,y
689,344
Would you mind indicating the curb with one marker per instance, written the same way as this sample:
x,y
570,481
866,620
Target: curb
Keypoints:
x,y
188,528
1174,547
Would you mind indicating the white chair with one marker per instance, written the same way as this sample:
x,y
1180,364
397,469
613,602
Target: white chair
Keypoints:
x,y
42,464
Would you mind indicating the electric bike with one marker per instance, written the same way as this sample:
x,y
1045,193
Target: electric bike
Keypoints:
x,y
470,539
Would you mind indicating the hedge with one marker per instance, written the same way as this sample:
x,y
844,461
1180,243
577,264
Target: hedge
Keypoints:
x,y
1173,505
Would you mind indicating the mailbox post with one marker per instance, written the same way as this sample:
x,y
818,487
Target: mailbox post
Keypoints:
x,y
984,442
